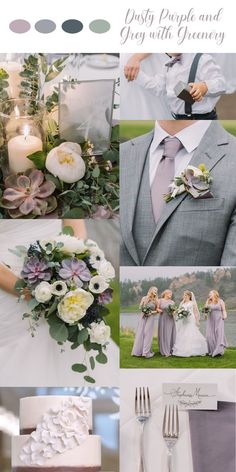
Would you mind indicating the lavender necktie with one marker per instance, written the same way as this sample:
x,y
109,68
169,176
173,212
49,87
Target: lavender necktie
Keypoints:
x,y
164,175
174,61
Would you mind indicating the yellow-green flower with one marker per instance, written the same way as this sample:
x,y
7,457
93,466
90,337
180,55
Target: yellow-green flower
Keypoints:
x,y
74,305
202,167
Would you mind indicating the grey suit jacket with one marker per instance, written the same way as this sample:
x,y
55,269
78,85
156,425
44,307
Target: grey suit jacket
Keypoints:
x,y
190,232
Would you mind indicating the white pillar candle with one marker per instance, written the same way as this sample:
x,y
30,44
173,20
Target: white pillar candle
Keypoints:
x,y
13,69
19,148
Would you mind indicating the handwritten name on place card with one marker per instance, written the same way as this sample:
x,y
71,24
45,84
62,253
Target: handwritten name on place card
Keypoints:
x,y
188,396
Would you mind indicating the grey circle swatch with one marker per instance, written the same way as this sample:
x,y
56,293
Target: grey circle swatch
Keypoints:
x,y
72,26
45,26
19,26
99,26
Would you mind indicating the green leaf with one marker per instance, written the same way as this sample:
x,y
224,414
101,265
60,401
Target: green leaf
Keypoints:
x,y
111,155
53,179
68,230
89,379
104,311
92,362
77,213
58,329
82,336
20,284
96,172
39,159
115,133
32,303
79,368
101,358
53,308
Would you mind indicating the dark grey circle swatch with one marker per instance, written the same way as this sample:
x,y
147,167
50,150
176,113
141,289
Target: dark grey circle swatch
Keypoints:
x,y
99,26
19,26
72,26
45,26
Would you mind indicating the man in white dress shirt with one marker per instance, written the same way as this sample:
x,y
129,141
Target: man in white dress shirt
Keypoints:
x,y
206,88
184,231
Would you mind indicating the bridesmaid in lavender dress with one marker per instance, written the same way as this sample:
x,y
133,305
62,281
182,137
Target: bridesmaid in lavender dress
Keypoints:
x,y
215,335
144,335
166,325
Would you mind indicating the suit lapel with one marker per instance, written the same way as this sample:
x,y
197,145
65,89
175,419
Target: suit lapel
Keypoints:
x,y
134,169
210,151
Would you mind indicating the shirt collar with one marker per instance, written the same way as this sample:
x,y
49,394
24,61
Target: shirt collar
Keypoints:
x,y
190,136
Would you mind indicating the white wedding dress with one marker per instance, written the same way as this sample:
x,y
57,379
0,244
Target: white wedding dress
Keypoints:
x,y
189,340
38,361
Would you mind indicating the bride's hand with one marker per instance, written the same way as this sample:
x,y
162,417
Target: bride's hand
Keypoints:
x,y
27,294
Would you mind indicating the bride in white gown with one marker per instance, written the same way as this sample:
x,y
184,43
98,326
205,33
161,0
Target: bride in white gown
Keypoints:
x,y
37,361
189,340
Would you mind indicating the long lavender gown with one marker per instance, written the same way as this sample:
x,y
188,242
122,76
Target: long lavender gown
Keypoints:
x,y
215,335
144,335
166,329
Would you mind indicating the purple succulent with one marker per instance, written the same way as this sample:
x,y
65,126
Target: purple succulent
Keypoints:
x,y
35,270
75,269
105,297
28,194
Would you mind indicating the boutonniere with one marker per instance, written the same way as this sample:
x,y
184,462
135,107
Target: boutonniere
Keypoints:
x,y
193,180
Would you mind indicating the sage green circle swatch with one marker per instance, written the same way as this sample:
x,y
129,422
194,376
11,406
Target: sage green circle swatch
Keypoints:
x,y
72,26
19,26
99,26
45,26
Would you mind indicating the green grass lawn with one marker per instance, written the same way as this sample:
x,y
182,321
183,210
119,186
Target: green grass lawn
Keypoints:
x,y
228,361
130,308
132,129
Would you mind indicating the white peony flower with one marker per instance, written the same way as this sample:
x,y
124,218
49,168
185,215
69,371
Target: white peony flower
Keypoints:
x,y
99,332
106,270
59,288
98,284
72,245
74,305
43,292
66,163
96,258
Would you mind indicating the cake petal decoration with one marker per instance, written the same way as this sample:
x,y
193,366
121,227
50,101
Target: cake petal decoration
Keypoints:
x,y
60,429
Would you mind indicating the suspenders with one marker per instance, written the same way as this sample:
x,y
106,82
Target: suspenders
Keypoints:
x,y
191,78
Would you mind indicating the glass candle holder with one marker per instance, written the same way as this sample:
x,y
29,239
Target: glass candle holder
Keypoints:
x,y
21,133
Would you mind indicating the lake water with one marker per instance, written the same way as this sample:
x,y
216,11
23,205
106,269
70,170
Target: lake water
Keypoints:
x,y
130,321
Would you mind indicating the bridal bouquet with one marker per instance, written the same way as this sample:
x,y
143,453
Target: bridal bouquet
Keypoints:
x,y
182,314
171,310
205,311
193,180
67,281
146,310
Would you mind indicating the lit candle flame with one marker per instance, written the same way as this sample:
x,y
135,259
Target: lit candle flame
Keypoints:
x,y
17,112
26,131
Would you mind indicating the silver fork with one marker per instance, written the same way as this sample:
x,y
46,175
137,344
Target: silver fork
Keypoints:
x,y
143,413
170,430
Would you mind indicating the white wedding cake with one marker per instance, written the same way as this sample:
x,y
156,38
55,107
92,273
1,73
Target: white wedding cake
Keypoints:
x,y
56,436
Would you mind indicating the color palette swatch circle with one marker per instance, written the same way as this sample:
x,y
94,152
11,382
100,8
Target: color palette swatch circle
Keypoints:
x,y
72,26
19,26
45,26
99,26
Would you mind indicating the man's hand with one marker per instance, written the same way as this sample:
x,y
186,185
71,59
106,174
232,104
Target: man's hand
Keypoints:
x,y
198,90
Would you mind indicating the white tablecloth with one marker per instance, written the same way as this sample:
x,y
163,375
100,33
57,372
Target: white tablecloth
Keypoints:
x,y
155,448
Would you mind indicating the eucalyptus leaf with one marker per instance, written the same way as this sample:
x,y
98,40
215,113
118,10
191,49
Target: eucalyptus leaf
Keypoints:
x,y
32,303
96,172
92,362
79,368
68,230
20,284
89,379
39,159
58,329
101,358
82,336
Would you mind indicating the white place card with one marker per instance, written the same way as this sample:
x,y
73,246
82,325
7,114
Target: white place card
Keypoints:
x,y
191,396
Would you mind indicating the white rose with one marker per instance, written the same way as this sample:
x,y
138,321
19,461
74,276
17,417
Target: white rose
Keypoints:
x,y
43,292
99,332
196,172
65,162
98,284
74,305
72,245
106,270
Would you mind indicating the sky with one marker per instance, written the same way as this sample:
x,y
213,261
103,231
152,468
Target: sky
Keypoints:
x,y
149,273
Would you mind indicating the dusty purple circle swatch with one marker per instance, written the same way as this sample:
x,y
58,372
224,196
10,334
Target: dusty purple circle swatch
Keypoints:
x,y
72,26
45,26
19,26
99,26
